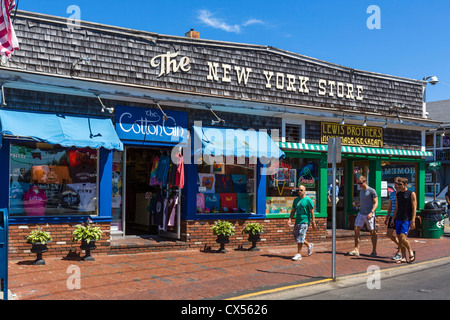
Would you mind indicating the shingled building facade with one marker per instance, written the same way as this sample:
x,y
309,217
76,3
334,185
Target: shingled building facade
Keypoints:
x,y
160,92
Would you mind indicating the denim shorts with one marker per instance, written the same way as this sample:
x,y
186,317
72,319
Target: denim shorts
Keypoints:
x,y
300,232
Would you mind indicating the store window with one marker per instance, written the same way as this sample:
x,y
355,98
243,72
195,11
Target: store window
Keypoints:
x,y
391,170
226,188
117,188
49,180
360,168
283,182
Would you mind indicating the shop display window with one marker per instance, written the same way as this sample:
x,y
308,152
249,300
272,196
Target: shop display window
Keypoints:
x,y
49,180
391,170
226,188
360,168
283,182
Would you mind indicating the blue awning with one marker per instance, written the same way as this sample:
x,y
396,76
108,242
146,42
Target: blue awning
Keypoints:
x,y
63,129
236,142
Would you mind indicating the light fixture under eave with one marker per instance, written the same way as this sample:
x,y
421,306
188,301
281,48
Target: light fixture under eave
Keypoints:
x,y
384,126
219,120
365,121
399,119
431,79
105,108
162,111
343,119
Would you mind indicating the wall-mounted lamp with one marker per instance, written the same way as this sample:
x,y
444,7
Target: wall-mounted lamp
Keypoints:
x,y
213,122
399,119
431,79
384,126
343,119
73,72
105,108
162,111
365,121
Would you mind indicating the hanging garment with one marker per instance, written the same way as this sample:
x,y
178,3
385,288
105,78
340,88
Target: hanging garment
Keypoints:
x,y
212,202
200,202
158,209
239,183
163,169
69,197
153,179
228,202
180,171
243,202
35,202
173,211
207,182
224,183
88,195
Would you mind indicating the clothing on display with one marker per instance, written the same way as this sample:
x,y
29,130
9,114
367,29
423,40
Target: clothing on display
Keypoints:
x,y
228,202
35,201
200,202
224,183
212,202
88,195
207,182
239,183
243,202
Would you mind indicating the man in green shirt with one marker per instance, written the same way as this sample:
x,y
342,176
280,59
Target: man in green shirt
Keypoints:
x,y
303,207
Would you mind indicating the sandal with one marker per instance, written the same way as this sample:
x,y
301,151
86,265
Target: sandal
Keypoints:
x,y
401,261
413,257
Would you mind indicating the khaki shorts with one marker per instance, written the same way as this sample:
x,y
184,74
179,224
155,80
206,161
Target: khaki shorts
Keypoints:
x,y
362,220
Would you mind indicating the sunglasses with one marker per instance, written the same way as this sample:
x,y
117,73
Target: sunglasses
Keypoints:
x,y
399,183
361,182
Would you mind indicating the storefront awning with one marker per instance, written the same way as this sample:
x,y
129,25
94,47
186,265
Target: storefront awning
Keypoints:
x,y
235,142
65,130
355,150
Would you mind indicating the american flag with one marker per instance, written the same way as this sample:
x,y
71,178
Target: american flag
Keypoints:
x,y
8,39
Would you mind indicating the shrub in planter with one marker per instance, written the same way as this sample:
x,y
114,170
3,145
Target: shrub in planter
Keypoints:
x,y
38,239
223,230
87,235
254,230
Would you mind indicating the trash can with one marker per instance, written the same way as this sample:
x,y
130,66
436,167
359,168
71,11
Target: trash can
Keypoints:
x,y
432,220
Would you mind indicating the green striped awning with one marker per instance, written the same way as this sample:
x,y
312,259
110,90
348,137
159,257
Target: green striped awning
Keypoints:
x,y
356,150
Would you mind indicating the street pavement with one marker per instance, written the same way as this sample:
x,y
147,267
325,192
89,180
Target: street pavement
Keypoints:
x,y
197,275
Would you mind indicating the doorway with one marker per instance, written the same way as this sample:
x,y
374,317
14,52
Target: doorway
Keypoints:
x,y
340,197
152,200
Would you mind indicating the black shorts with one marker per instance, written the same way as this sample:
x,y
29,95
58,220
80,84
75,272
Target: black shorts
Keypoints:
x,y
389,224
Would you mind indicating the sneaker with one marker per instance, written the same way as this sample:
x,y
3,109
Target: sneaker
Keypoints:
x,y
397,256
298,256
373,254
310,249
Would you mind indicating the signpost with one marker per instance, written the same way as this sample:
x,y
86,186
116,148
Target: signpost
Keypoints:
x,y
333,157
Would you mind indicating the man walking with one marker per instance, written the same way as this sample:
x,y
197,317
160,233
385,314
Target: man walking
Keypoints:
x,y
303,208
405,217
366,216
389,219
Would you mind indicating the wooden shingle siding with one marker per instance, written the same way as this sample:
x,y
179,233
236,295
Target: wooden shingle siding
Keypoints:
x,y
123,56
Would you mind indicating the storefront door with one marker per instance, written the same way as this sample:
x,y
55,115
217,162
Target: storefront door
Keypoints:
x,y
146,202
340,195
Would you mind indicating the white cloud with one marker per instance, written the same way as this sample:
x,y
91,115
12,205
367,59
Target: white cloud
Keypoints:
x,y
252,21
208,18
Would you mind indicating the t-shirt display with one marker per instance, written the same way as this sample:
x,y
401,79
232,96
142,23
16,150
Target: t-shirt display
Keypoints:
x,y
49,180
225,188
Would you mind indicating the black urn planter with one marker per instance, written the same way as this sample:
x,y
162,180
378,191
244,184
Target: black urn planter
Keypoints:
x,y
88,247
39,248
222,240
254,238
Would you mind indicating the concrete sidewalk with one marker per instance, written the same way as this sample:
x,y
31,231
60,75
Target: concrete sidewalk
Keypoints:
x,y
196,275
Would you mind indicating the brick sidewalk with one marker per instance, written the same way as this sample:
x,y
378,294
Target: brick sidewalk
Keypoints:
x,y
195,275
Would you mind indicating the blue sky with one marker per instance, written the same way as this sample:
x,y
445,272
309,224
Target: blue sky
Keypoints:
x,y
413,40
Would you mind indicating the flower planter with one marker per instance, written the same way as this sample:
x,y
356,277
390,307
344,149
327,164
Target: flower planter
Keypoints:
x,y
222,240
39,248
88,247
254,238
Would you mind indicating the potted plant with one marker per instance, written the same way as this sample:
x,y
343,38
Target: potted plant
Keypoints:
x,y
254,230
87,235
39,239
223,230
